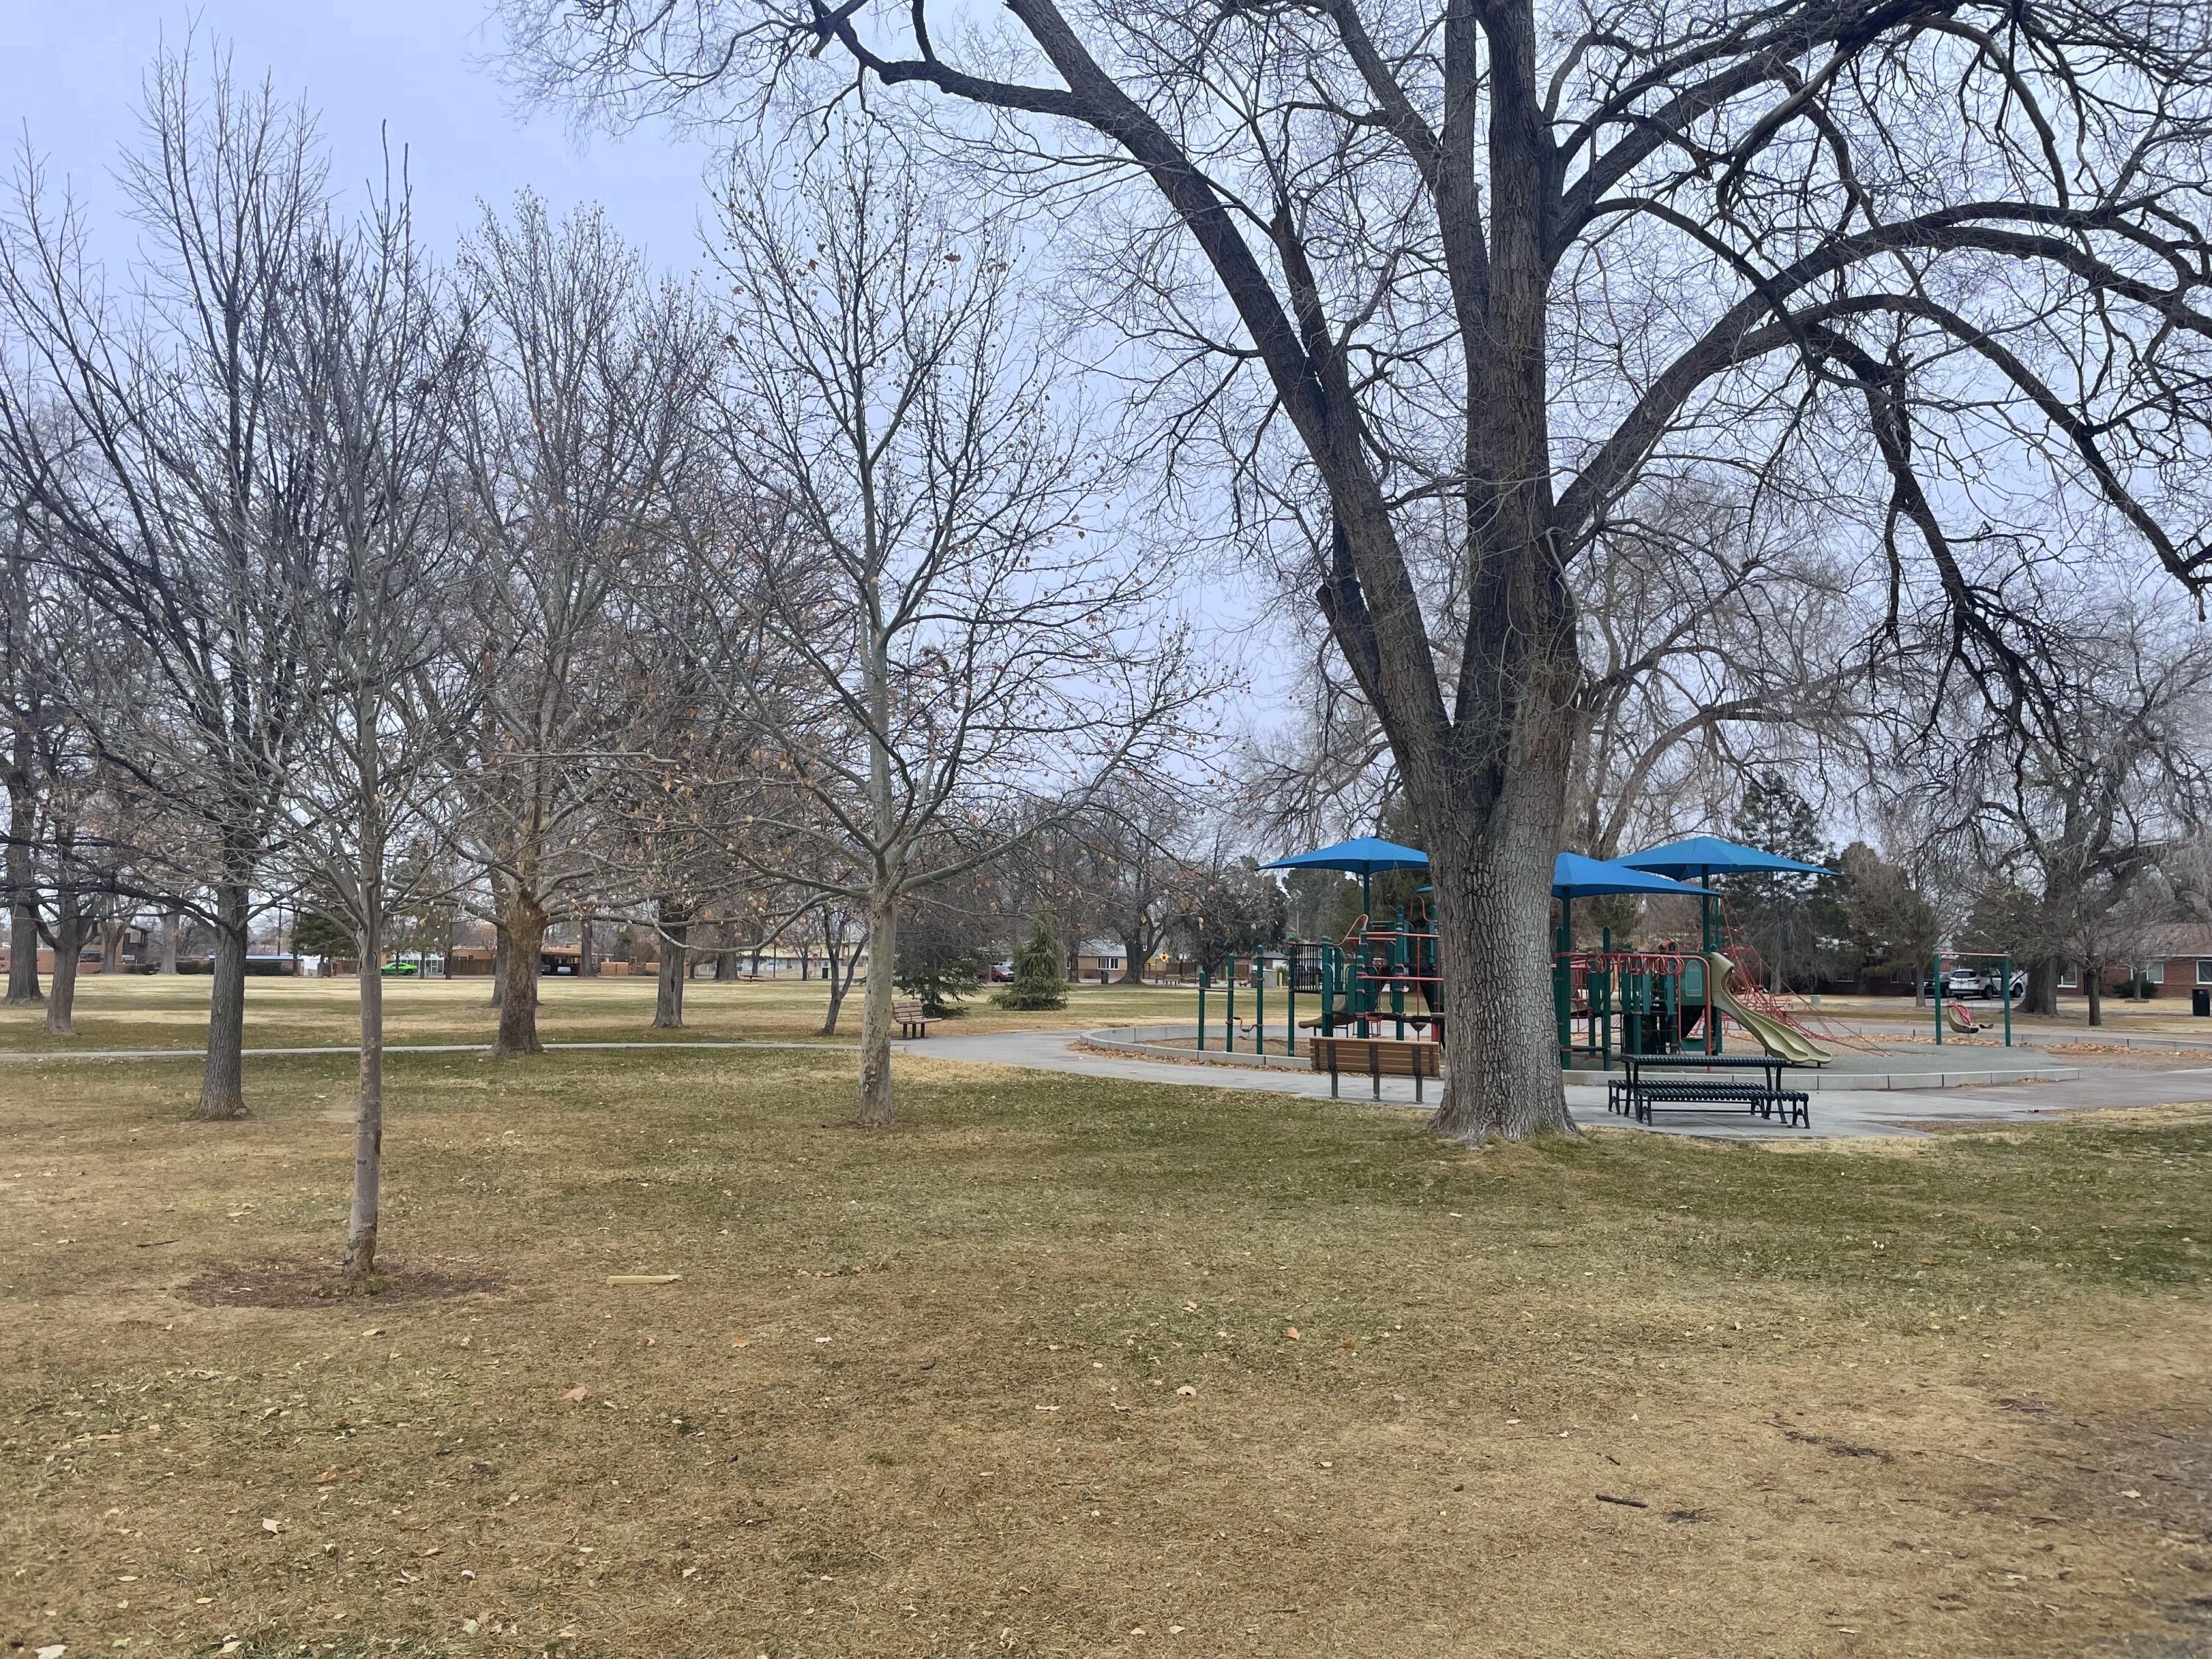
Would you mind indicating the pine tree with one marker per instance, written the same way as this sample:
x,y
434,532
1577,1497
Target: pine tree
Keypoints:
x,y
1038,981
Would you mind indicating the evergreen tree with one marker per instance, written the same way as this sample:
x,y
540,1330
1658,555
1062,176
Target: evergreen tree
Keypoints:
x,y
1039,981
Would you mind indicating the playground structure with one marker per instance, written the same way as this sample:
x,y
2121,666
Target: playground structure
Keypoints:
x,y
1955,1014
1384,981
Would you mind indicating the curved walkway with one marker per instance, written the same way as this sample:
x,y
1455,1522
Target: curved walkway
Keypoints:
x,y
1840,1112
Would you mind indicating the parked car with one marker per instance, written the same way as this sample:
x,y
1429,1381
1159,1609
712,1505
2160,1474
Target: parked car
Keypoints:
x,y
1965,982
1002,973
400,971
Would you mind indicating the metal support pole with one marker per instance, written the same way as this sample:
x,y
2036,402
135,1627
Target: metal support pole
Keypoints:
x,y
1291,1034
2004,990
1229,1018
1260,1005
1935,984
1201,1010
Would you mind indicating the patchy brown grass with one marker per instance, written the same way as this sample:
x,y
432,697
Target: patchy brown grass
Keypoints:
x,y
1020,1377
136,1011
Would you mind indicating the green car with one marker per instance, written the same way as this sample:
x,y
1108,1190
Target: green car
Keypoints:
x,y
402,969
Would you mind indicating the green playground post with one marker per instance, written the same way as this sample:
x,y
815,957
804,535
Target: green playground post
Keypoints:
x,y
1229,1015
1327,988
1562,981
1260,1005
1201,1010
1291,985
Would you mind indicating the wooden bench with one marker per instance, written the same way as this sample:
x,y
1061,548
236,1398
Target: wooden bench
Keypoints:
x,y
1376,1058
912,1017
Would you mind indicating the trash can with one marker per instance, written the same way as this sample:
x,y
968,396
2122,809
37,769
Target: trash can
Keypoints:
x,y
2200,1002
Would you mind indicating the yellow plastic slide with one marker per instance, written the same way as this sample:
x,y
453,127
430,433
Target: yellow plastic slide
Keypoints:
x,y
1782,1042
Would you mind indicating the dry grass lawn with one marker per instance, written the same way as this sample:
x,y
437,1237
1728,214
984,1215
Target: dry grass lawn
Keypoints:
x,y
1069,1367
136,1011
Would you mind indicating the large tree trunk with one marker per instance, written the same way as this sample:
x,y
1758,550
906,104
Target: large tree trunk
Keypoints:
x,y
222,1085
1133,952
501,954
876,1012
22,893
2042,996
525,950
172,927
587,949
675,963
726,966
1493,898
369,1114
71,932
2092,987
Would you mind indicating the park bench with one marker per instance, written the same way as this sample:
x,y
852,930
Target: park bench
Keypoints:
x,y
1376,1058
1639,1094
913,1019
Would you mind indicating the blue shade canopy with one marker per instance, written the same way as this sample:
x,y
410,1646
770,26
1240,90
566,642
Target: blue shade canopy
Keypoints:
x,y
1575,877
1363,857
1709,856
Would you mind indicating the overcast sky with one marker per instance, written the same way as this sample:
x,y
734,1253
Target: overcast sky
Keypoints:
x,y
70,76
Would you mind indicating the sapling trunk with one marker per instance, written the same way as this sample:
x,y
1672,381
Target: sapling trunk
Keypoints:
x,y
875,1111
368,1113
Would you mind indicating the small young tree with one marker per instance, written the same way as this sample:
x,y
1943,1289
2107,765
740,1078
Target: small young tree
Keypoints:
x,y
1040,980
941,659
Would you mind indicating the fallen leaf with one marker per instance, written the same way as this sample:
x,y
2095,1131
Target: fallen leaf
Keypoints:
x,y
1349,1345
1291,1332
740,1341
576,1393
1187,1390
268,1526
329,1476
59,1648
468,1627
644,1279
435,1549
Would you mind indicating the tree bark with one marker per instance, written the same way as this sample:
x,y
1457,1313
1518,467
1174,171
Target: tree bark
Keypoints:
x,y
587,949
1133,952
1493,896
726,966
2042,996
675,963
500,954
838,972
2092,987
525,950
22,892
369,1114
173,927
875,1112
70,932
222,1085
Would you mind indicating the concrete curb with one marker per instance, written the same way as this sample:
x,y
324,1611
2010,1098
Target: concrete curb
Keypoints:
x,y
1145,1042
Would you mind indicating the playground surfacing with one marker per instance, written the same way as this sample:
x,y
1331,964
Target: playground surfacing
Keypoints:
x,y
1862,1095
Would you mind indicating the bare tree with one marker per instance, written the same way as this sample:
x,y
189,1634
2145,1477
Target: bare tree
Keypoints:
x,y
151,435
2072,819
916,622
1450,279
583,411
381,367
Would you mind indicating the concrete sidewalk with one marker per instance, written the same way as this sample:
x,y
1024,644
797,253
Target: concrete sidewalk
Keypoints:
x,y
1843,1113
